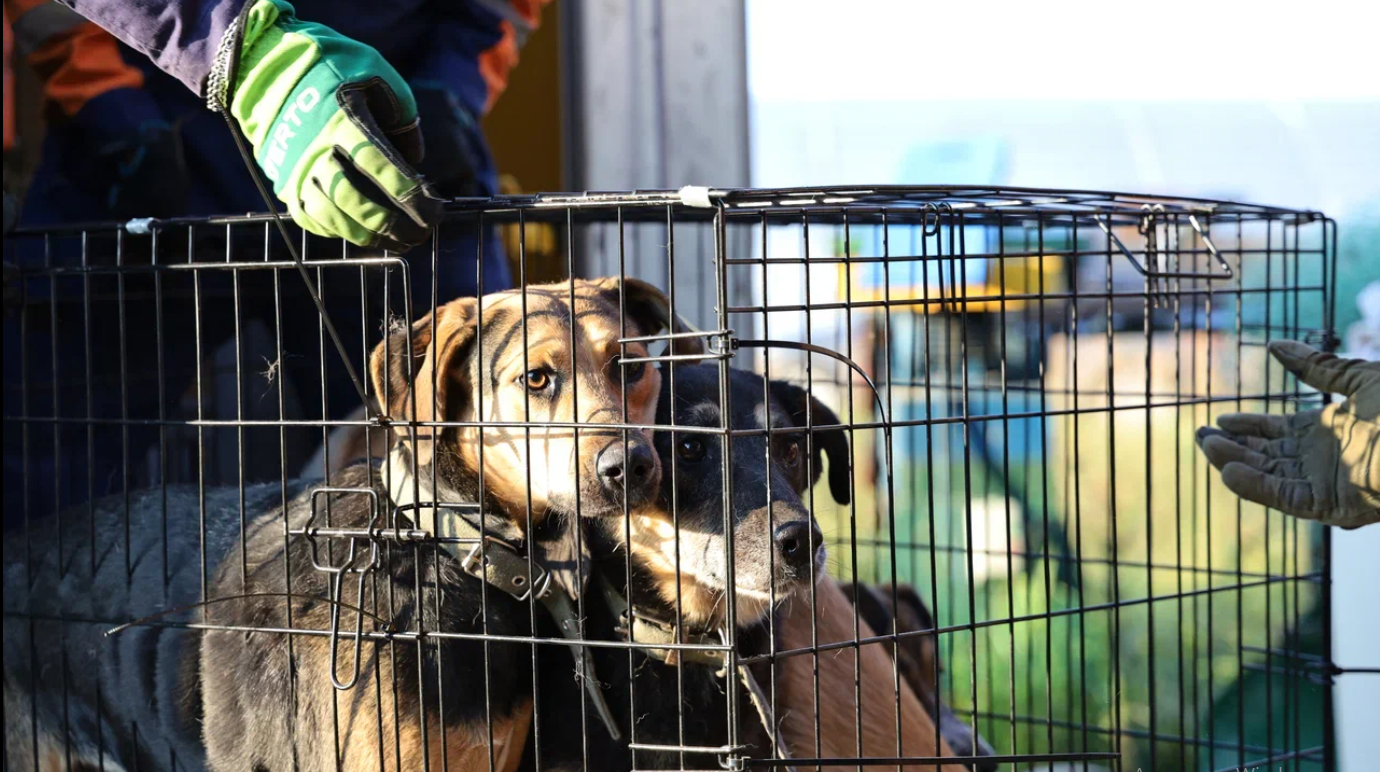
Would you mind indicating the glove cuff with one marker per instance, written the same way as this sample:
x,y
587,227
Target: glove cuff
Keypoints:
x,y
253,20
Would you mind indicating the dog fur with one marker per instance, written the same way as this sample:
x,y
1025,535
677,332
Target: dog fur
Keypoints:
x,y
917,657
235,698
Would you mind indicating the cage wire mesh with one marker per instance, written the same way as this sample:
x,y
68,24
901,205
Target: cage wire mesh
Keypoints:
x,y
1019,375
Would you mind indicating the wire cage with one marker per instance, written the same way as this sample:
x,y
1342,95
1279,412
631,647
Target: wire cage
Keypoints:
x,y
1002,386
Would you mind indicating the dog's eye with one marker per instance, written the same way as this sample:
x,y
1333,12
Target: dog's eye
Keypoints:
x,y
793,452
634,371
536,380
690,449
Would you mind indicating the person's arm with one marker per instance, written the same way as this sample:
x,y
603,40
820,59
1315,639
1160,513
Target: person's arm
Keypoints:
x,y
182,37
474,47
1320,464
470,53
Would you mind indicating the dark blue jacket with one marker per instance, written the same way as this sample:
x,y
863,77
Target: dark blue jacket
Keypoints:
x,y
423,39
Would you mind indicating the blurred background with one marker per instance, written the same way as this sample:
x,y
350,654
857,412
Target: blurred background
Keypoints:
x,y
1272,103
1266,103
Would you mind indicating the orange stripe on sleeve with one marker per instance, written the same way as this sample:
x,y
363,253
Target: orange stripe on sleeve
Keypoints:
x,y
497,62
79,65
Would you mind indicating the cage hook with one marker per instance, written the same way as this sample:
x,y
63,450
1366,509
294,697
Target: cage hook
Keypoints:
x,y
1157,286
931,208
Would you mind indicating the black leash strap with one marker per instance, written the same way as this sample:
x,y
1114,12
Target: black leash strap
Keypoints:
x,y
498,563
253,168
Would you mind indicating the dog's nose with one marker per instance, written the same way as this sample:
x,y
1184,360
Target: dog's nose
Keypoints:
x,y
797,542
636,465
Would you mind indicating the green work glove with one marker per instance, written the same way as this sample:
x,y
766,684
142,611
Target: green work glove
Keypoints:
x,y
333,126
1320,465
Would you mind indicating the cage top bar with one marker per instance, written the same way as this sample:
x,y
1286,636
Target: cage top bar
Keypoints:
x,y
902,204
960,197
920,201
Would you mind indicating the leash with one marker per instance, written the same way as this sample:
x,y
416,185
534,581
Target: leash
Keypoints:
x,y
224,70
493,558
495,561
648,632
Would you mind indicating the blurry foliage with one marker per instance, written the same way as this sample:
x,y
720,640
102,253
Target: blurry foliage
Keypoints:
x,y
1181,657
1358,259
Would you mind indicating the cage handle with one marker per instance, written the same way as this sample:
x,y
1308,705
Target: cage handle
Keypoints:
x,y
813,349
337,573
336,603
1154,273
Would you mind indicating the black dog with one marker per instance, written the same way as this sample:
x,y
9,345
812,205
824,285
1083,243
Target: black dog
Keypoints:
x,y
673,698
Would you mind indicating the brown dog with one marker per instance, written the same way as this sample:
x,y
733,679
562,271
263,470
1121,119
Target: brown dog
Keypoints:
x,y
254,692
917,657
843,674
529,365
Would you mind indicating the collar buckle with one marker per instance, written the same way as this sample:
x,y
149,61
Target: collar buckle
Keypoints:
x,y
502,566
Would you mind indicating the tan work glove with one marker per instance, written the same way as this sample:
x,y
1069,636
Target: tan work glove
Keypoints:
x,y
1319,465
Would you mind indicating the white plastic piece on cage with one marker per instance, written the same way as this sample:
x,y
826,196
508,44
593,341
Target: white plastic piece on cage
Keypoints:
x,y
139,226
1363,336
696,196
1368,303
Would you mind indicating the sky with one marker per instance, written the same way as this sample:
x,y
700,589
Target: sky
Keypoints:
x,y
1258,102
1063,49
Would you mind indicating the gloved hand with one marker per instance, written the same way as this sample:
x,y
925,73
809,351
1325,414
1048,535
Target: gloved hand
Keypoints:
x,y
334,127
1319,465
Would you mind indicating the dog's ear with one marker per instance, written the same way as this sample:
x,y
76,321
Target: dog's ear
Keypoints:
x,y
649,309
833,442
871,607
913,608
912,615
414,371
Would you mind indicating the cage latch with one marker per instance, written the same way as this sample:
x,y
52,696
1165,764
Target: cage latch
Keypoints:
x,y
722,344
687,345
356,563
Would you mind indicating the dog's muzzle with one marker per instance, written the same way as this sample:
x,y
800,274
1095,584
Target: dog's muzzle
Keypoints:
x,y
634,470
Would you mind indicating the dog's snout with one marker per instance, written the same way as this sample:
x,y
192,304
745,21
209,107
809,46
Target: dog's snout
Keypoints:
x,y
796,542
634,468
637,464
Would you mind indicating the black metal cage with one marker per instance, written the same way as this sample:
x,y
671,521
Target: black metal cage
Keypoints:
x,y
1017,375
